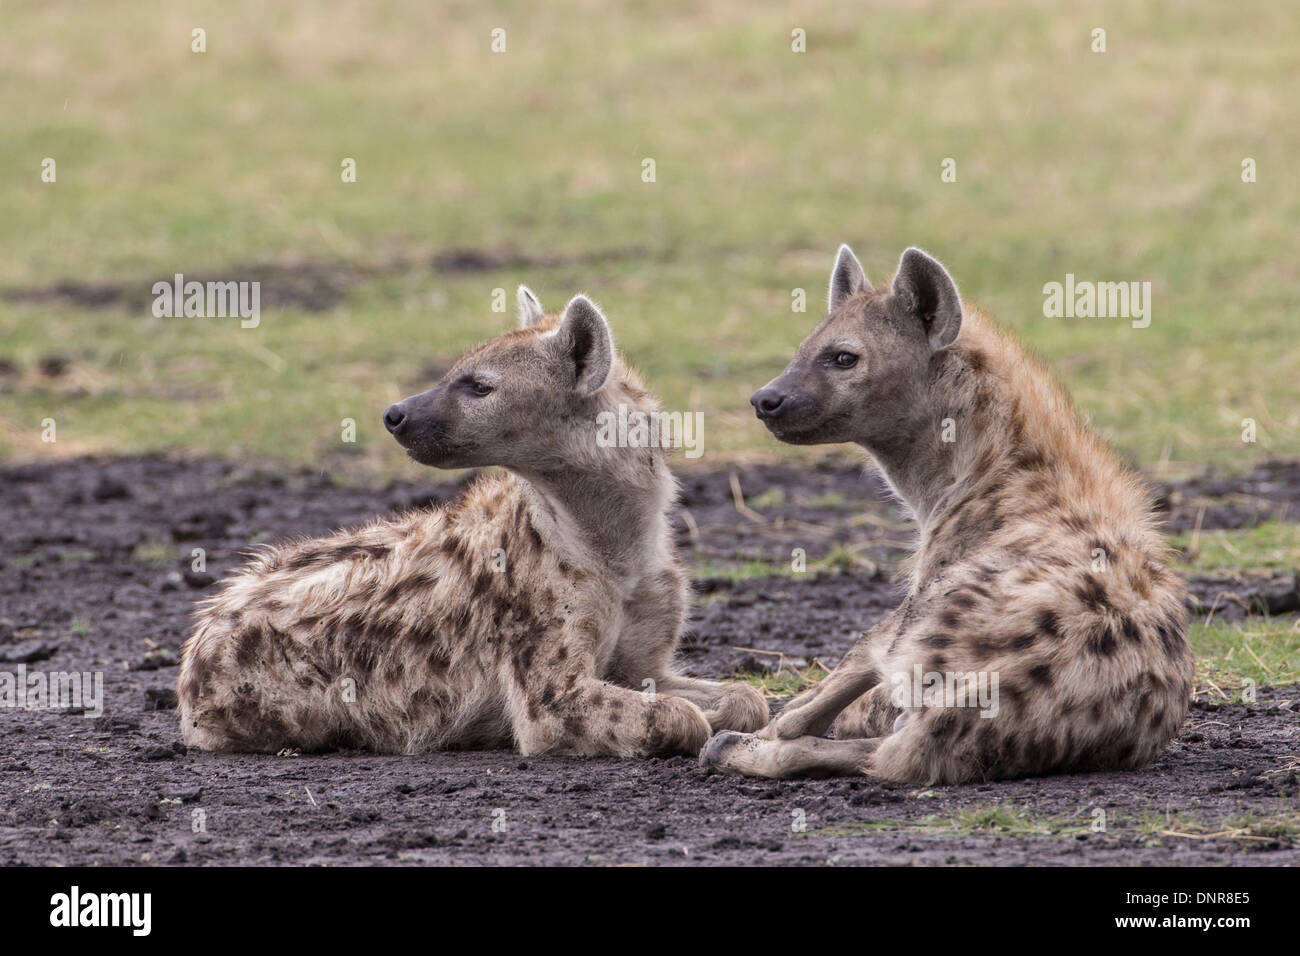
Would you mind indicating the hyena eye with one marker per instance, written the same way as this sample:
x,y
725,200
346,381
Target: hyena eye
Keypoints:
x,y
480,388
846,360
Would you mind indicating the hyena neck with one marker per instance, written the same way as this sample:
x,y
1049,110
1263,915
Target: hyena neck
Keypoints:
x,y
987,411
618,523
607,504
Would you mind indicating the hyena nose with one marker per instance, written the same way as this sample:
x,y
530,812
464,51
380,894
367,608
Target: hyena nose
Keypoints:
x,y
768,402
394,419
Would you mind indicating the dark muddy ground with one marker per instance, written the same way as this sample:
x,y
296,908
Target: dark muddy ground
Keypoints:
x,y
95,576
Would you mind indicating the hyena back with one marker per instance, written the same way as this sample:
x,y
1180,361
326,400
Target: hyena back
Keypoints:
x,y
1039,561
542,609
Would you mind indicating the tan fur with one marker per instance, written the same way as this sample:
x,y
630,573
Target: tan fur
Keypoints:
x,y
541,610
1038,560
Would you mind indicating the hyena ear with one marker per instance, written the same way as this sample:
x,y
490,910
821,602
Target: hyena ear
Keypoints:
x,y
847,277
586,344
924,289
530,307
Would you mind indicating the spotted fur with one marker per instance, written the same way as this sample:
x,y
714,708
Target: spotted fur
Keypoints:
x,y
542,610
1038,559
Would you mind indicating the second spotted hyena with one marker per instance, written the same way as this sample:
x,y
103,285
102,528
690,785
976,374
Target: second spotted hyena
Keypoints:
x,y
1041,630
541,610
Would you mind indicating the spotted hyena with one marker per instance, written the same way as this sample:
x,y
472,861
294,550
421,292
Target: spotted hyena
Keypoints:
x,y
541,610
1041,631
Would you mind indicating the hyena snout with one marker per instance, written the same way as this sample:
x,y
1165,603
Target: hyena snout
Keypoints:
x,y
395,419
424,425
771,401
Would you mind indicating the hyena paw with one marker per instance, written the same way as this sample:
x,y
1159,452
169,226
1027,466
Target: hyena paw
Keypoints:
x,y
690,727
730,752
740,707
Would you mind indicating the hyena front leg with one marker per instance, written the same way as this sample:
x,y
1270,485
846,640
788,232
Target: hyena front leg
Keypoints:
x,y
813,712
816,709
792,744
727,705
581,714
756,756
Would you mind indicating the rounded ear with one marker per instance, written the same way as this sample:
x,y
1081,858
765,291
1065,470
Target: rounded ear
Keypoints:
x,y
925,290
530,307
847,278
586,344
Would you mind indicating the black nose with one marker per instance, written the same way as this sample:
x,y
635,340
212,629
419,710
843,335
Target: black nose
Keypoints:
x,y
394,418
769,402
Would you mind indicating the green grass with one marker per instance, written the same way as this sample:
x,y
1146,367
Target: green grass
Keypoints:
x,y
1273,546
785,680
1117,166
1262,651
154,552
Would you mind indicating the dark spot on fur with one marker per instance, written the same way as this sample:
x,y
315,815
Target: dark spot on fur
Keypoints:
x,y
1130,630
937,640
962,601
1030,458
345,551
304,559
482,585
248,647
1024,641
574,725
942,723
1102,642
1041,674
1049,624
1075,521
1170,638
1091,593
404,587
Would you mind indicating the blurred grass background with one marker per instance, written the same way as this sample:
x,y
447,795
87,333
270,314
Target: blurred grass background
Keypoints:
x,y
526,165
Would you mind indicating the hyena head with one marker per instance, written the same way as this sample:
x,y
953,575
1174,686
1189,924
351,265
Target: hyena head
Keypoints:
x,y
516,400
864,371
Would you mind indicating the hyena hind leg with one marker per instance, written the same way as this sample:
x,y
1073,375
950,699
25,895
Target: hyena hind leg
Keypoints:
x,y
754,756
727,705
871,715
598,718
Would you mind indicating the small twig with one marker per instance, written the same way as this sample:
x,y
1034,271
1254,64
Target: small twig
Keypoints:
x,y
1193,544
1251,652
692,529
738,499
